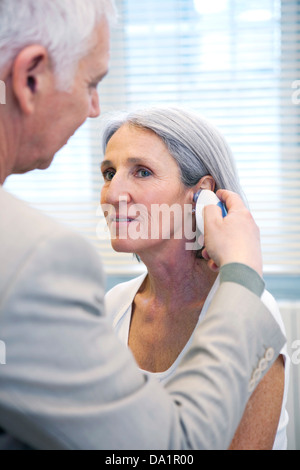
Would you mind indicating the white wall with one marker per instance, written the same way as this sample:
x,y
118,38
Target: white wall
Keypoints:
x,y
291,316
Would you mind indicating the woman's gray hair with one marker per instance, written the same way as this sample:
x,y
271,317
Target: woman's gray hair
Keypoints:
x,y
196,145
63,27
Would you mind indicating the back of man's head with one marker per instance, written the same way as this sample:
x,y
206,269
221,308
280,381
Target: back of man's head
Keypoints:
x,y
63,27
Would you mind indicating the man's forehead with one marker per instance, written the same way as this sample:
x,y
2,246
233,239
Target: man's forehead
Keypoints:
x,y
99,54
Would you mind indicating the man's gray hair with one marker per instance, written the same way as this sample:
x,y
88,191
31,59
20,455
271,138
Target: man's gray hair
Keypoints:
x,y
195,143
63,27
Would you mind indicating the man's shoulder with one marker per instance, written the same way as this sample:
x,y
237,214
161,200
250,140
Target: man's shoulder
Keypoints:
x,y
17,215
24,230
22,227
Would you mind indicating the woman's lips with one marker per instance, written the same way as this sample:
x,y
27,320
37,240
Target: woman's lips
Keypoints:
x,y
120,219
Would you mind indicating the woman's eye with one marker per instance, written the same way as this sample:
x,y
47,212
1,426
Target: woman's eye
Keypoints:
x,y
143,173
108,175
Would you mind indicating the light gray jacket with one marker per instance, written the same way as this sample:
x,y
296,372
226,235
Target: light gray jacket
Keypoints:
x,y
69,384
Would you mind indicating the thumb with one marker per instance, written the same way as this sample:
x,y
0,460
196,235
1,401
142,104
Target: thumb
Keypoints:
x,y
232,200
212,216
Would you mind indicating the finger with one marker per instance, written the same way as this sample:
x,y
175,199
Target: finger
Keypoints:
x,y
205,255
212,266
232,200
212,214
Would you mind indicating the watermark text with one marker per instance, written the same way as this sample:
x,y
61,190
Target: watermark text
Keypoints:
x,y
296,353
2,92
153,222
2,353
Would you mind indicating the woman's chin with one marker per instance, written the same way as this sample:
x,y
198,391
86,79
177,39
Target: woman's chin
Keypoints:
x,y
131,246
122,246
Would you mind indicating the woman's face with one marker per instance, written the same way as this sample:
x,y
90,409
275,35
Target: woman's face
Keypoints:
x,y
143,198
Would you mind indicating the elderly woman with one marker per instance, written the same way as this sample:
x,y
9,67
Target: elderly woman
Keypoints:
x,y
159,158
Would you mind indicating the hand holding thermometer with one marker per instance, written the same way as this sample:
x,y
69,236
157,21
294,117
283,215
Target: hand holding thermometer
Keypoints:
x,y
204,198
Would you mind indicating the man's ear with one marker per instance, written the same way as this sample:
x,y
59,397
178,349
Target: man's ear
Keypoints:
x,y
29,73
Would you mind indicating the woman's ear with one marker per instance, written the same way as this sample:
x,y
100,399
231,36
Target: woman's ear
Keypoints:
x,y
28,72
207,182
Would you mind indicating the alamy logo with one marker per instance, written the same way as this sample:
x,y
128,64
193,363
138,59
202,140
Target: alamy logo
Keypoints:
x,y
2,92
296,353
296,94
2,353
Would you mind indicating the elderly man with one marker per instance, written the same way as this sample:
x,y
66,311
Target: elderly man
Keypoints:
x,y
67,383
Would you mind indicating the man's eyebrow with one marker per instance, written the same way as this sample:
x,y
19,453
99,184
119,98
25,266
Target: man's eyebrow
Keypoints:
x,y
102,76
99,78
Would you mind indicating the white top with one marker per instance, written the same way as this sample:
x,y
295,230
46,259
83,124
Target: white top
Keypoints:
x,y
119,306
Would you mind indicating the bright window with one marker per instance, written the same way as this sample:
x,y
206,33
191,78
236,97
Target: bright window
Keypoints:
x,y
236,62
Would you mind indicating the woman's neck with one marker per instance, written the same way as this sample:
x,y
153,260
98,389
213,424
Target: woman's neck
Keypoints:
x,y
166,309
177,279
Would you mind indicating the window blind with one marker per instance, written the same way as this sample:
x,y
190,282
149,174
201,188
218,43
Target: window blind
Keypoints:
x,y
235,62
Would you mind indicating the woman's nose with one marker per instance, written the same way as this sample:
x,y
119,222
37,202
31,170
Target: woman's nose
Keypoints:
x,y
118,191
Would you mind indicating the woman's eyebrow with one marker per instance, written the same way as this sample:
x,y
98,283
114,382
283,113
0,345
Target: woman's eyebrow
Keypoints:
x,y
105,164
130,160
138,160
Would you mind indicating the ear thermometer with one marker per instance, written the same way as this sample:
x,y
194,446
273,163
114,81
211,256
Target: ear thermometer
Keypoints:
x,y
204,198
